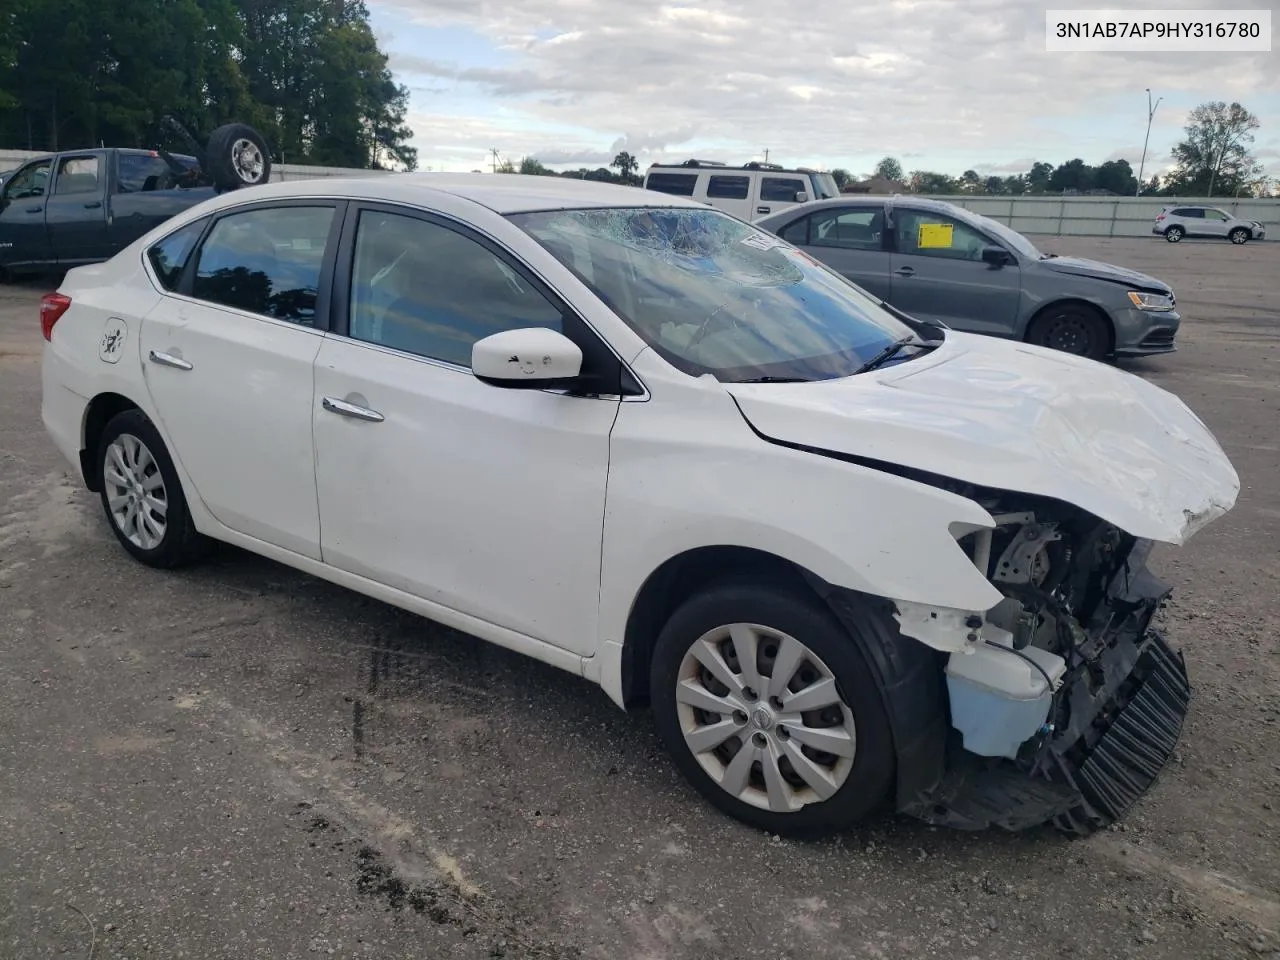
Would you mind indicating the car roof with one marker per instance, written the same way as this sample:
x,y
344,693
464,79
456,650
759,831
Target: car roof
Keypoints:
x,y
864,199
500,192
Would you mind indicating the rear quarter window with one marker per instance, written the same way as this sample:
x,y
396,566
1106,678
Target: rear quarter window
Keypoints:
x,y
169,256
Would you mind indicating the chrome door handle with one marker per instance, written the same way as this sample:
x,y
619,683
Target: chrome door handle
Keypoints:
x,y
905,272
168,360
344,409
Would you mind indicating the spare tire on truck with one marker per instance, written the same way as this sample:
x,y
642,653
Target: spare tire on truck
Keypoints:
x,y
237,156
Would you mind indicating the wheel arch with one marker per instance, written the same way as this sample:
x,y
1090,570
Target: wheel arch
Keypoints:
x,y
97,415
673,582
1081,302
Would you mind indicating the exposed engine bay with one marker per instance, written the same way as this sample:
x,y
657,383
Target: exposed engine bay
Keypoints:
x,y
1065,705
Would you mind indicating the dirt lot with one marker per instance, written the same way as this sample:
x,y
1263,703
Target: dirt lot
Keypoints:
x,y
241,761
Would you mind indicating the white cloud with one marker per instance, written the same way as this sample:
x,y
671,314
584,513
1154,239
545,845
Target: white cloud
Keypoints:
x,y
960,83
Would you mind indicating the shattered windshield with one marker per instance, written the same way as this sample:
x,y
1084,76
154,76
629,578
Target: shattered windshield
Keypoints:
x,y
712,294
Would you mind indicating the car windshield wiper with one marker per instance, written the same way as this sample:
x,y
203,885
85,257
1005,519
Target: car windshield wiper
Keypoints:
x,y
775,380
888,353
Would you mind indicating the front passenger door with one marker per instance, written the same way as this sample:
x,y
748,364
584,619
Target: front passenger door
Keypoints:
x,y
484,500
937,273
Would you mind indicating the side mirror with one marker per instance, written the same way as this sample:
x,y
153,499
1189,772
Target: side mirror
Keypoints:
x,y
996,256
532,358
802,196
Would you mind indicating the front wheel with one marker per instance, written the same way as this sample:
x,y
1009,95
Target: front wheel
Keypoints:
x,y
1071,329
767,706
1174,234
1239,235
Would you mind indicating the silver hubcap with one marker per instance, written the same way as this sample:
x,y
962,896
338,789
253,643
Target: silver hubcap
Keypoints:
x,y
136,495
247,159
1237,238
761,713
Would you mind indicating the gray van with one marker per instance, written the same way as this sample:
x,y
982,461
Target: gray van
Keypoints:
x,y
942,263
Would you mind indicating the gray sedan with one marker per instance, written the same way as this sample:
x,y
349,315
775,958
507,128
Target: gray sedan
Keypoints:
x,y
941,263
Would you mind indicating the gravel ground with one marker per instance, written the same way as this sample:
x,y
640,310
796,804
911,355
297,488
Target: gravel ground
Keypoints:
x,y
241,761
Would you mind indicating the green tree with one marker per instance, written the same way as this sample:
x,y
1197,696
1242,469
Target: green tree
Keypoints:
x,y
531,166
1214,152
626,166
889,168
841,177
1038,177
1072,175
308,73
1116,176
927,181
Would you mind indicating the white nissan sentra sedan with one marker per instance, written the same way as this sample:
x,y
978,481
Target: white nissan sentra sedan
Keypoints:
x,y
849,559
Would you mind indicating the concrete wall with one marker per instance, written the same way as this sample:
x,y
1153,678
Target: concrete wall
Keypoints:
x,y
1104,216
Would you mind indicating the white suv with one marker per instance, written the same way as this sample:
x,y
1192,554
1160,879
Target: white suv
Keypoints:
x,y
846,556
1174,223
748,192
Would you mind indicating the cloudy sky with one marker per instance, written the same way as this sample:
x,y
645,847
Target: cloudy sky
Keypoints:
x,y
941,84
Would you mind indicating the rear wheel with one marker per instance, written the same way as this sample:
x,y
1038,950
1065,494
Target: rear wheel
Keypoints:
x,y
1239,235
142,496
1071,328
1174,234
768,708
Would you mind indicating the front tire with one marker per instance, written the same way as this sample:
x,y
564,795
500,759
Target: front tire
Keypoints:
x,y
767,706
1174,234
142,495
1239,235
1073,329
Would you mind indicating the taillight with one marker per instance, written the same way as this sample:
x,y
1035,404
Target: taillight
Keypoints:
x,y
52,307
1159,218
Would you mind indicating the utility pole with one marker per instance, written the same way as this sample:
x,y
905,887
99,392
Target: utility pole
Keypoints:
x,y
766,154
1151,115
494,161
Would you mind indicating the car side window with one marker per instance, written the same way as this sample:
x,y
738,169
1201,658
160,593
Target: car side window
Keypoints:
x,y
266,261
169,255
30,181
1215,215
676,184
781,189
729,188
849,229
138,172
927,234
429,290
1189,212
796,233
77,175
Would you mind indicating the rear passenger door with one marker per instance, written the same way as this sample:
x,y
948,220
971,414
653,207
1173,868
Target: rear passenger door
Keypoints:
x,y
75,212
849,239
228,356
778,192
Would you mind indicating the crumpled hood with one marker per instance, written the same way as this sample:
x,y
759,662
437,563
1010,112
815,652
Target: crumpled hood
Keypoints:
x,y
1011,416
1078,266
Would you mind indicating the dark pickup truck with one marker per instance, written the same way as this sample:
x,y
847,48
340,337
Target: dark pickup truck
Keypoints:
x,y
83,206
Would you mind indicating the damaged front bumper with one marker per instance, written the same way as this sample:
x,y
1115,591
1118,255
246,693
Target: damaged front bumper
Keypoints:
x,y
1113,725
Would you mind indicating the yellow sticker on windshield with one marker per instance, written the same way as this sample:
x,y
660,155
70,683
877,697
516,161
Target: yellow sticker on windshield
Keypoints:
x,y
934,235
